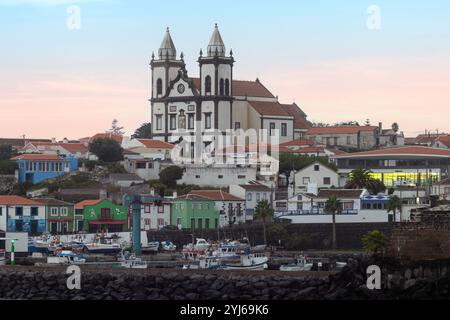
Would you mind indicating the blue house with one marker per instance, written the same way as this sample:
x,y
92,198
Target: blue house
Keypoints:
x,y
36,168
18,214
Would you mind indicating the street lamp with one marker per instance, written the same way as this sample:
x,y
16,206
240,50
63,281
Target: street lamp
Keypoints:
x,y
12,241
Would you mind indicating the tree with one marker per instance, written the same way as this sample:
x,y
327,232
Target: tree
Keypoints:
x,y
115,129
394,204
289,162
374,242
143,132
264,212
6,151
106,150
361,179
8,167
395,127
170,175
333,206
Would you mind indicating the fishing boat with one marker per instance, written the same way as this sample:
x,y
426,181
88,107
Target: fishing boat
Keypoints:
x,y
252,261
201,244
204,263
66,257
131,261
103,246
150,248
300,264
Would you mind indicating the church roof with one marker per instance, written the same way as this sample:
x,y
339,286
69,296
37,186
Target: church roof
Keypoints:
x,y
216,45
244,88
167,48
298,114
269,108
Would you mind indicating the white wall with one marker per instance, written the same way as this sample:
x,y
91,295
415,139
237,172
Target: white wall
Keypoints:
x,y
154,215
316,177
368,216
209,176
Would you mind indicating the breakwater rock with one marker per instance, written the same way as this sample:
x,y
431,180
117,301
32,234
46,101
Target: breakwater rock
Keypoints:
x,y
428,280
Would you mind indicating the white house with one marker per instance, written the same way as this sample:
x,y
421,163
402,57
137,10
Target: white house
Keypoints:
x,y
317,174
357,207
253,193
155,212
442,189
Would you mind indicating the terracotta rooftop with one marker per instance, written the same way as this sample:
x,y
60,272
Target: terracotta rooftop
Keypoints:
x,y
16,200
82,204
115,137
43,157
156,144
298,114
407,150
340,130
303,150
445,140
269,108
298,143
71,147
244,88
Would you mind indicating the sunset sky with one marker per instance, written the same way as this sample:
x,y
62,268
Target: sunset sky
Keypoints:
x,y
57,82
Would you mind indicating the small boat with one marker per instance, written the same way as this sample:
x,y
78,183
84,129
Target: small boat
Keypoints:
x,y
132,262
252,261
300,264
204,263
103,246
168,246
66,257
151,248
201,244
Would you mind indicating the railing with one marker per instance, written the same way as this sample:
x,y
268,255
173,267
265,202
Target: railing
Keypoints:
x,y
313,212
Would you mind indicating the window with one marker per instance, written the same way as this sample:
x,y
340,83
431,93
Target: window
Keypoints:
x,y
19,211
197,177
220,176
159,122
237,125
105,213
53,212
182,120
160,209
192,223
258,196
316,167
173,122
249,196
272,128
159,87
241,177
207,223
19,226
299,198
349,140
64,212
147,209
335,141
207,120
160,222
284,130
327,180
191,121
264,196
200,223
178,221
141,165
306,180
208,85
299,206
222,84
227,87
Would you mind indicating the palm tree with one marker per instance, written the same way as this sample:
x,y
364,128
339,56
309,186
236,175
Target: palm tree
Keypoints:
x,y
394,204
358,179
333,206
264,212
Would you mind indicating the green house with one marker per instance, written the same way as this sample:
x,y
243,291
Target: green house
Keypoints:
x,y
192,211
102,215
59,215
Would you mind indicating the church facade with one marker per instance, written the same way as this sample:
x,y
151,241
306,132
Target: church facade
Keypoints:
x,y
214,101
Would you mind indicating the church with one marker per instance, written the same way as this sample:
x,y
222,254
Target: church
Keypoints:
x,y
214,101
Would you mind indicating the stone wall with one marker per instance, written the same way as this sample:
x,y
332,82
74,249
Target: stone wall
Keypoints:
x,y
426,280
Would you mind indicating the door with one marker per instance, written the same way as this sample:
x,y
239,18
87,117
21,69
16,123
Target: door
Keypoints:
x,y
19,226
54,228
34,226
64,228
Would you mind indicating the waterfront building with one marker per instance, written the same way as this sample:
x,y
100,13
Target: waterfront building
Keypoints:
x,y
253,193
155,212
60,215
19,214
101,215
194,212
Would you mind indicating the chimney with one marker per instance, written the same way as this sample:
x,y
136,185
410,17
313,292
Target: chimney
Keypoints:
x,y
53,140
65,140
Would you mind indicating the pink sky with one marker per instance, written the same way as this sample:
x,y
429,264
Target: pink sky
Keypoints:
x,y
413,92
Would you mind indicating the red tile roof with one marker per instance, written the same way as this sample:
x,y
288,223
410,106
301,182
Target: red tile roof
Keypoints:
x,y
269,109
107,135
305,150
71,147
299,116
16,200
340,130
156,144
247,148
215,195
298,143
244,88
445,140
82,204
44,157
407,150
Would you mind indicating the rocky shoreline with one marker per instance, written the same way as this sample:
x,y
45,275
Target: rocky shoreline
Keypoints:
x,y
424,280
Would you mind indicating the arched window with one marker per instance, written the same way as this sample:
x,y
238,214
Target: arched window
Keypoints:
x,y
227,87
221,87
159,86
208,85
